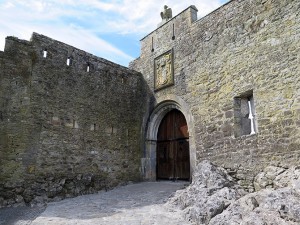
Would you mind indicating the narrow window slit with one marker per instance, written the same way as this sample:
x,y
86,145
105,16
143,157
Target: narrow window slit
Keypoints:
x,y
45,53
75,124
124,80
93,127
173,37
152,46
251,117
68,61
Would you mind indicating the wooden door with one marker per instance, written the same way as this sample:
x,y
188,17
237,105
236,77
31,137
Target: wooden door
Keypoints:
x,y
173,161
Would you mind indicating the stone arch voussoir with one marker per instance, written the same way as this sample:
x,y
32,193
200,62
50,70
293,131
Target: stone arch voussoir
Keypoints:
x,y
164,105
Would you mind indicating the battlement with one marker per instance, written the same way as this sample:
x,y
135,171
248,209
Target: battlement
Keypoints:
x,y
59,54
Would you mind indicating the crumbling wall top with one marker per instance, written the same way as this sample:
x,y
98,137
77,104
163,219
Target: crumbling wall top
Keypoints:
x,y
42,42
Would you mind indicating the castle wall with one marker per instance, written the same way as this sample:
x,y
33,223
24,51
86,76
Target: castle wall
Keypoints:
x,y
65,130
243,50
73,129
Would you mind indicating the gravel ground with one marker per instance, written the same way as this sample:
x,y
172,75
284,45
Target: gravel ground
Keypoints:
x,y
134,204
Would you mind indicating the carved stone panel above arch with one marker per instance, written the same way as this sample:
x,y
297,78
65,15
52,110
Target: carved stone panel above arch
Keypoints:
x,y
163,69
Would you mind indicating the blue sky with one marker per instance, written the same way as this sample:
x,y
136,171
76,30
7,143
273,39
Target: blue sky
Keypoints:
x,y
108,29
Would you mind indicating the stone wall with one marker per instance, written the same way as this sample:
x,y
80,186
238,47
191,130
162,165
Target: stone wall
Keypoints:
x,y
243,50
72,123
65,130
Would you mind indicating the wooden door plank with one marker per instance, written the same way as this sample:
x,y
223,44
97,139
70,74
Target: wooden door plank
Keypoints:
x,y
173,147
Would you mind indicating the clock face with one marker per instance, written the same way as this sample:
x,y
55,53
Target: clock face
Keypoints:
x,y
163,66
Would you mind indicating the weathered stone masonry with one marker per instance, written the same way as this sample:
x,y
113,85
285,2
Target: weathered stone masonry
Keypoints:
x,y
243,50
73,129
65,130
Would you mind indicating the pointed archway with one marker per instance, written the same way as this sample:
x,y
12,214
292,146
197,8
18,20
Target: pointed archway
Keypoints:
x,y
172,154
164,105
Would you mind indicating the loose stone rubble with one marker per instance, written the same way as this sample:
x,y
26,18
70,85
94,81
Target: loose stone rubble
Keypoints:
x,y
277,177
211,191
276,207
214,198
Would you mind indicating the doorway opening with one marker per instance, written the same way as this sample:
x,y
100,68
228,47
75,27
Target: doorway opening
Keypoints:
x,y
172,147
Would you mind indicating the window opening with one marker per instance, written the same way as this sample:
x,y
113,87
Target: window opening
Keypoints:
x,y
152,46
244,115
45,53
68,61
75,124
93,126
251,117
173,37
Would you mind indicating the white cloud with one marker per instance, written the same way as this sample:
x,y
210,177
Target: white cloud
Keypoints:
x,y
80,23
7,5
143,16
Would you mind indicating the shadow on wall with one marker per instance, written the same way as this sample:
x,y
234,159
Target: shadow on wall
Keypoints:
x,y
71,123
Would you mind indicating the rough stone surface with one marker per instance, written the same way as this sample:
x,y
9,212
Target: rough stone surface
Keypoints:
x,y
249,46
65,130
289,178
276,207
214,198
211,192
277,177
266,178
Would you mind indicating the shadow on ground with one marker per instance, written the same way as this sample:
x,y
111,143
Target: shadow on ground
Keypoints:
x,y
21,215
131,204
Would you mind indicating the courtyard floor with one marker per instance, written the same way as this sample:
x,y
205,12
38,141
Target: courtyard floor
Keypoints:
x,y
134,204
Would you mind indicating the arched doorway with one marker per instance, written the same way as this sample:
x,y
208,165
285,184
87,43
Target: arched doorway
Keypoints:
x,y
172,148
